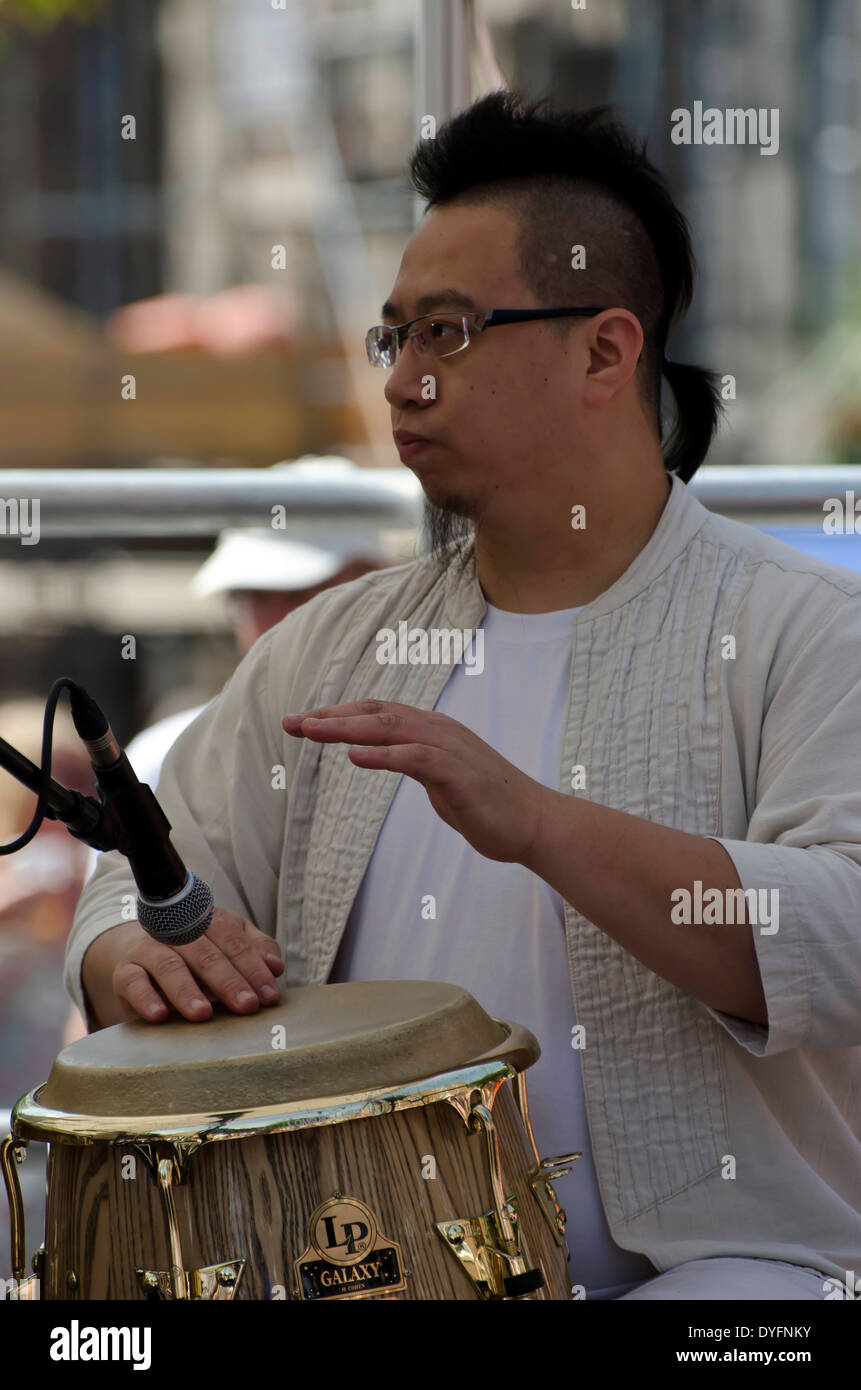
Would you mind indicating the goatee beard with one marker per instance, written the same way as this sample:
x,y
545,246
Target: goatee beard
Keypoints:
x,y
447,530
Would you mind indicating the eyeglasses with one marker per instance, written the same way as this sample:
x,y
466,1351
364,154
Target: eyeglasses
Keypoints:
x,y
442,335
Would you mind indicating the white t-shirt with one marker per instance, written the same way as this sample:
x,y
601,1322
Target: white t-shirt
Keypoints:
x,y
148,749
499,930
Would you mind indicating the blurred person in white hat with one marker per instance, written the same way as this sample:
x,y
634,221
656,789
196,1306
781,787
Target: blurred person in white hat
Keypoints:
x,y
265,575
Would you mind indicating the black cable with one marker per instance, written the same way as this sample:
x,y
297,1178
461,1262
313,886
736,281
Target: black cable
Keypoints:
x,y
42,809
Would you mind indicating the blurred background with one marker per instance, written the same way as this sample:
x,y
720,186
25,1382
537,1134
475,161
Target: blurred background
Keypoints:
x,y
202,206
230,255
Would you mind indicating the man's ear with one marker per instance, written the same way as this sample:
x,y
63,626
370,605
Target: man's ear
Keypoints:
x,y
615,346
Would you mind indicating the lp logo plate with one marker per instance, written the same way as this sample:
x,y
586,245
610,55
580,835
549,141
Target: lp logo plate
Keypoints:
x,y
347,1255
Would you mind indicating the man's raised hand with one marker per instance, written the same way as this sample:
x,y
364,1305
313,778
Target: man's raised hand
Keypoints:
x,y
476,791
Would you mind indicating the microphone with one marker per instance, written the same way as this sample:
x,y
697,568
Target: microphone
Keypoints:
x,y
174,906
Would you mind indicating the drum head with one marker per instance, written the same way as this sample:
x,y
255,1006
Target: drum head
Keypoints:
x,y
320,1041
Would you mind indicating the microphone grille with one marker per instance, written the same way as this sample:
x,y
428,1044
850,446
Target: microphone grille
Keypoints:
x,y
181,921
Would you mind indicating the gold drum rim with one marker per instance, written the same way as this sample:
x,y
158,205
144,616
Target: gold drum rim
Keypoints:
x,y
31,1120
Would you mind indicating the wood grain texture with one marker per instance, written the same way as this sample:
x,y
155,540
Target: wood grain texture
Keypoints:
x,y
253,1198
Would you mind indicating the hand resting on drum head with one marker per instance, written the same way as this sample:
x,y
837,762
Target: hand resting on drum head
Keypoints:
x,y
126,974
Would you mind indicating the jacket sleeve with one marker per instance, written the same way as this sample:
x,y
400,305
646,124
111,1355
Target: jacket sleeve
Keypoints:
x,y
802,853
226,800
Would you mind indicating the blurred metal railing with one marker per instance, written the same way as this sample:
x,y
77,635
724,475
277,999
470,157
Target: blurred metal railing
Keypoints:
x,y
89,503
188,502
761,489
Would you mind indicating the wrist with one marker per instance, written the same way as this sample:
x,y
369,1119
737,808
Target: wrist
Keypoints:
x,y
547,810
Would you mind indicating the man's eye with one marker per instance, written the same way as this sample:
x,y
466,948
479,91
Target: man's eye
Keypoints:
x,y
443,328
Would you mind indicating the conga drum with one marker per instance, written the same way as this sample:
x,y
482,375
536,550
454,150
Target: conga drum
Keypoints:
x,y
362,1140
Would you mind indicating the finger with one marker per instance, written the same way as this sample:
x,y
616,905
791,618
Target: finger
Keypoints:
x,y
387,727
242,946
267,947
179,984
210,960
291,722
133,985
229,926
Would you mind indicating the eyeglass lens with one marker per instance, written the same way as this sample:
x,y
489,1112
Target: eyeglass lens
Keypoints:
x,y
435,337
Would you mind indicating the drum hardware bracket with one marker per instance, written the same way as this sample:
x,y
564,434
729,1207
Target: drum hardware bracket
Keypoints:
x,y
487,1247
182,1152
545,1170
541,1181
213,1283
218,1282
480,1248
465,1103
12,1152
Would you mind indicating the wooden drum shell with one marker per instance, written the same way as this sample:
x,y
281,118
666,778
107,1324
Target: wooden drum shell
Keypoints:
x,y
252,1198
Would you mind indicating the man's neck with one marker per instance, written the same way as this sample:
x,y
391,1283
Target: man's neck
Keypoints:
x,y
544,566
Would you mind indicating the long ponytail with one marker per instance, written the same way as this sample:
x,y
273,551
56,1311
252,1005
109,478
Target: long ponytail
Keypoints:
x,y
698,410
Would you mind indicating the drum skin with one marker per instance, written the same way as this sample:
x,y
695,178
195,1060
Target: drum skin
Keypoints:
x,y
252,1198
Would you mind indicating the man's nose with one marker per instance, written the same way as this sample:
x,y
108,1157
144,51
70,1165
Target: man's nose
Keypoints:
x,y
404,381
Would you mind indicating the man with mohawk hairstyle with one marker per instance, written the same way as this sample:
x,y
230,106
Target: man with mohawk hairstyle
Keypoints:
x,y
666,700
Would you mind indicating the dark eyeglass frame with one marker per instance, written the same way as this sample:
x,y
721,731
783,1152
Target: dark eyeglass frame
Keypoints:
x,y
490,318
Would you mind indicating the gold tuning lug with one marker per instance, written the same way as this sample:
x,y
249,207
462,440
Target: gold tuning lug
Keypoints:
x,y
217,1282
487,1247
494,1264
26,1288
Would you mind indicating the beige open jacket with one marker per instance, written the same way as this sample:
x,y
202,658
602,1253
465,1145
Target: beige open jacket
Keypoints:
x,y
761,752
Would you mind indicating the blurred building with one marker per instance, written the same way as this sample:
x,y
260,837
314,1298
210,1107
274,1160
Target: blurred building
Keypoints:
x,y
262,100
261,127
82,210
